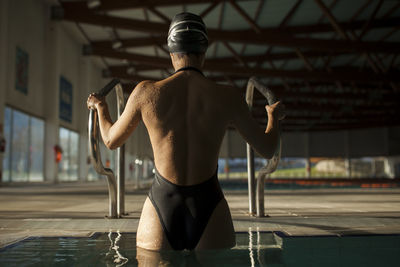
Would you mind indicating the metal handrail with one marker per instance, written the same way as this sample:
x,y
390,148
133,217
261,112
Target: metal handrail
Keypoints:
x,y
271,165
120,156
116,186
98,166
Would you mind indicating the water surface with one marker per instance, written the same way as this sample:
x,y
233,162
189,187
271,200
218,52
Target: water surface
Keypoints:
x,y
253,249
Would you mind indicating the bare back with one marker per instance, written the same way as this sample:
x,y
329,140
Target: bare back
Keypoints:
x,y
186,116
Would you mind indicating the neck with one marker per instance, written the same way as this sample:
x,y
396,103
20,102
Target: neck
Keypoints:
x,y
190,68
182,65
180,61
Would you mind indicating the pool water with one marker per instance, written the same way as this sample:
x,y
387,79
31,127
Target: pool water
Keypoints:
x,y
253,249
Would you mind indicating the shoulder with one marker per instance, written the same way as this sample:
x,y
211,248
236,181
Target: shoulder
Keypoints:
x,y
140,92
143,88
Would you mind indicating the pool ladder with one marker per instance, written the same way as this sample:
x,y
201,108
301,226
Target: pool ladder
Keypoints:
x,y
272,164
116,185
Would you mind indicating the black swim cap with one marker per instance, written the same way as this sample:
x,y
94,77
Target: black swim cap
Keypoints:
x,y
187,34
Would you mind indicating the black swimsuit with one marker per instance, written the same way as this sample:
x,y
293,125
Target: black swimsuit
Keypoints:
x,y
184,211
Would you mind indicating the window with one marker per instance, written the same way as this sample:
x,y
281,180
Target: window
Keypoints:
x,y
289,167
68,167
92,174
23,161
36,150
237,167
108,160
7,135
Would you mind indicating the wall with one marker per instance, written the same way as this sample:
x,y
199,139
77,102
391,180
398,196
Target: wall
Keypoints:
x,y
25,30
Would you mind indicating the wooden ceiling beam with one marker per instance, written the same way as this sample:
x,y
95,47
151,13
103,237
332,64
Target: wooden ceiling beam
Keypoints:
x,y
132,78
133,42
257,14
332,19
336,122
343,74
236,56
147,41
331,6
328,108
107,5
333,116
284,22
336,127
374,121
138,67
246,17
356,38
332,120
364,90
367,24
157,62
78,10
290,14
276,37
159,14
342,98
360,10
213,5
216,64
395,7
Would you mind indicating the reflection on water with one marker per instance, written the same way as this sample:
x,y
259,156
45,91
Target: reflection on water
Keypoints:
x,y
251,254
254,248
113,255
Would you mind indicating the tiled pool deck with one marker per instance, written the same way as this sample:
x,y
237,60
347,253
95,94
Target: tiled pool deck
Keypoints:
x,y
79,210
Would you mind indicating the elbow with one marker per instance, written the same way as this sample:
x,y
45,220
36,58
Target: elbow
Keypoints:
x,y
112,147
110,144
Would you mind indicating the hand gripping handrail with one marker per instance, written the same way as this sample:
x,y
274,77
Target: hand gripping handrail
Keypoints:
x,y
271,165
94,151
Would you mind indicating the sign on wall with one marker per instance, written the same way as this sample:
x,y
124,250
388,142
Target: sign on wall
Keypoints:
x,y
65,100
21,70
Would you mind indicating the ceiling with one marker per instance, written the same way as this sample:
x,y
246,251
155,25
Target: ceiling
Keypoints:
x,y
334,63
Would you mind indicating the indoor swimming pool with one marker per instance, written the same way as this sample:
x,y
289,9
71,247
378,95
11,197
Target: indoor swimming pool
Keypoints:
x,y
254,248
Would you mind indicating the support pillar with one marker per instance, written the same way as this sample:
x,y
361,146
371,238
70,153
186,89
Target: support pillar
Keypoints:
x,y
347,163
308,167
307,153
145,168
226,169
51,109
228,152
84,88
137,173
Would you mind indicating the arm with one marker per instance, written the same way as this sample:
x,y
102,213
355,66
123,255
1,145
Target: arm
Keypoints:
x,y
264,142
115,134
